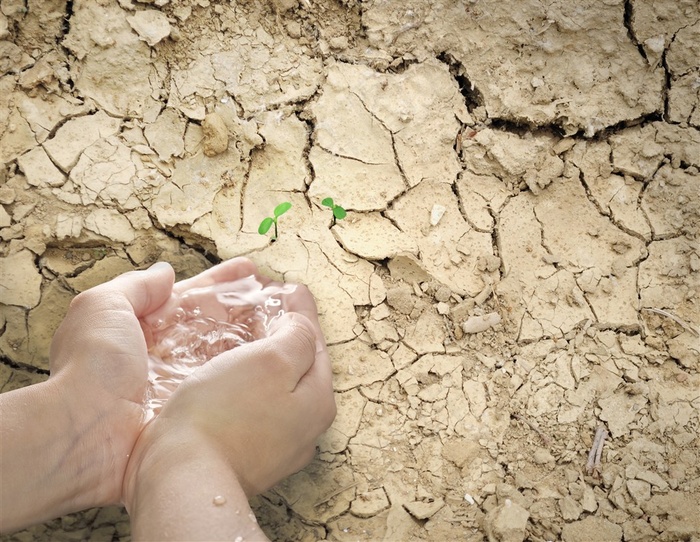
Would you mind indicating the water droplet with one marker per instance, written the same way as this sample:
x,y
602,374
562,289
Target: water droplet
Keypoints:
x,y
252,517
158,323
219,500
196,311
179,314
238,539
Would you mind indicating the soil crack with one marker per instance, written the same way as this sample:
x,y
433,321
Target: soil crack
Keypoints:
x,y
628,19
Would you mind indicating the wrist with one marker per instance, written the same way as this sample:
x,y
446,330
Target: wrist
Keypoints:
x,y
44,468
88,462
160,448
178,485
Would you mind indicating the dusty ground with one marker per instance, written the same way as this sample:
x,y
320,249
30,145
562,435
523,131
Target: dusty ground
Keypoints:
x,y
525,169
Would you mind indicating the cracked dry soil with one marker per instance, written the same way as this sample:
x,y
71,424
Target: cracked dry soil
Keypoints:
x,y
520,262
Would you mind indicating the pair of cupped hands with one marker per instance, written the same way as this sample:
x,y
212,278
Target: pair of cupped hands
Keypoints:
x,y
260,406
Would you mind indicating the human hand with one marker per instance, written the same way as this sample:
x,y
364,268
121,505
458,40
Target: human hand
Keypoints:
x,y
260,406
98,361
204,318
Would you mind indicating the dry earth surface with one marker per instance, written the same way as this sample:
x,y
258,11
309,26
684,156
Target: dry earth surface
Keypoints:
x,y
520,263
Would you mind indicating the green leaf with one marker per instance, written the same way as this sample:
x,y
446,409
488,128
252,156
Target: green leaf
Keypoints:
x,y
265,225
282,208
339,212
328,202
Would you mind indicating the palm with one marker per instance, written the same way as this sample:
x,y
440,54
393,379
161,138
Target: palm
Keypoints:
x,y
104,375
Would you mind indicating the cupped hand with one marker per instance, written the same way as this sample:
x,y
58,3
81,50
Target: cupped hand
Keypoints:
x,y
260,406
98,361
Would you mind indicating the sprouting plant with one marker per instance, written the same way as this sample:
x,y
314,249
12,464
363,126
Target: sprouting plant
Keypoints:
x,y
338,212
270,220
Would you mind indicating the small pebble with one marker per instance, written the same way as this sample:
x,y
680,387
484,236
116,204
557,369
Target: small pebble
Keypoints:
x,y
436,214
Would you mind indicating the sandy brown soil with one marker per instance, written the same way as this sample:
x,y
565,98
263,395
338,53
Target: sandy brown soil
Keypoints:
x,y
520,263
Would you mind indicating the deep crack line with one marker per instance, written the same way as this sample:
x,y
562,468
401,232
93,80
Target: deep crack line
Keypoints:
x,y
628,20
473,97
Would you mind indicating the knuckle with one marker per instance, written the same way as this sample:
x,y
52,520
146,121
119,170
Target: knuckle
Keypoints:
x,y
303,338
295,341
86,299
99,298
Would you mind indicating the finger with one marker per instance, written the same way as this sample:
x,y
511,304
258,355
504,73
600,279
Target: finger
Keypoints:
x,y
149,289
293,335
302,301
228,271
285,356
314,379
143,291
207,294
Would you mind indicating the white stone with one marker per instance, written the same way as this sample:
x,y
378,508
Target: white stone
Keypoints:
x,y
436,214
656,44
477,324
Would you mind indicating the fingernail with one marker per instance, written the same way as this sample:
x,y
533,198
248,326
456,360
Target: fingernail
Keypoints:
x,y
158,266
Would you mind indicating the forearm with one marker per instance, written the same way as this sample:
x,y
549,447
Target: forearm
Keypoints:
x,y
44,472
188,492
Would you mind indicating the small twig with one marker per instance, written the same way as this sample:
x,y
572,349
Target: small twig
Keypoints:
x,y
336,493
547,441
593,464
682,323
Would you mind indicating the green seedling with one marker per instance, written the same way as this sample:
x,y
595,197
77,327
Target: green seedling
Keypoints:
x,y
338,212
270,220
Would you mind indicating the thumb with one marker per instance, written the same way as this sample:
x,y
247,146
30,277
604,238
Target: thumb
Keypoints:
x,y
145,290
292,339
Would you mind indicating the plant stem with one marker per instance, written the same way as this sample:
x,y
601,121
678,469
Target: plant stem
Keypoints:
x,y
275,230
